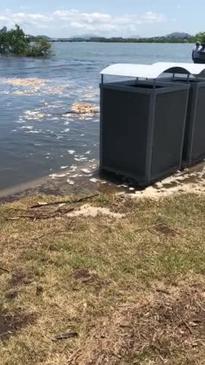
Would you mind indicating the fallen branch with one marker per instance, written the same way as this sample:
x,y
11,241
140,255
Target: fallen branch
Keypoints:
x,y
65,336
200,306
5,270
34,217
5,333
64,202
181,320
57,213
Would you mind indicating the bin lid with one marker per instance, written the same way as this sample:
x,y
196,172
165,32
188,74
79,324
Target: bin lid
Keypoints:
x,y
181,68
128,70
153,71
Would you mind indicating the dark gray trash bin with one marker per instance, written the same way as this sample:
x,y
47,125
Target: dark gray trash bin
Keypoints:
x,y
142,129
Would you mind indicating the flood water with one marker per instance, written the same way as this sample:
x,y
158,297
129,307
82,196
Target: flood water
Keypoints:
x,y
38,133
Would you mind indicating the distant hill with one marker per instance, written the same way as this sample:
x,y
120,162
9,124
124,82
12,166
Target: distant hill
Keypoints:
x,y
179,35
176,37
33,38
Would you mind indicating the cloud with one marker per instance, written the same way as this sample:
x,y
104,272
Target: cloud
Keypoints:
x,y
73,22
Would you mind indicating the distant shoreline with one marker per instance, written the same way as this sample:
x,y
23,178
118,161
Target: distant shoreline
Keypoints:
x,y
176,37
119,41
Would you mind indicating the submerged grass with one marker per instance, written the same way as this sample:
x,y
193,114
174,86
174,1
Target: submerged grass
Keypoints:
x,y
96,290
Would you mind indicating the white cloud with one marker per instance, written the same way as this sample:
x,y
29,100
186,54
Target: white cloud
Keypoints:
x,y
73,22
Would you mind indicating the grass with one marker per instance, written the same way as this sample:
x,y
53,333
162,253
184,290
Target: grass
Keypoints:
x,y
83,290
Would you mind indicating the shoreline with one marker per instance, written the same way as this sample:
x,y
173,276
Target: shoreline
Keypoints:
x,y
86,179
56,184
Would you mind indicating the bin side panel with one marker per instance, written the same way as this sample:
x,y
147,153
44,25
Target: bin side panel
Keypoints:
x,y
169,129
189,130
198,146
124,126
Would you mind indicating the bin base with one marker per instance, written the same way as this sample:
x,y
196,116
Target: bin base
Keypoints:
x,y
186,164
138,182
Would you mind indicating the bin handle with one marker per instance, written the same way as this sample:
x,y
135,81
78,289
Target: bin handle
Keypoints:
x,y
187,77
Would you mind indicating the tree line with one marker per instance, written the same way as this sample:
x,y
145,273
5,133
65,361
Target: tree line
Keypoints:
x,y
162,39
16,42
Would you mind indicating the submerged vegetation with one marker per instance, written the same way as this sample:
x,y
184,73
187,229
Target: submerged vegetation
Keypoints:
x,y
16,42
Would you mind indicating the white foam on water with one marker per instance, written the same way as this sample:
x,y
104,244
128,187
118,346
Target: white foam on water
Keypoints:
x,y
29,127
57,176
70,182
78,159
86,171
94,180
33,132
71,152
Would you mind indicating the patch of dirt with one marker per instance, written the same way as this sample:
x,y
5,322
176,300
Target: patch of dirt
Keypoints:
x,y
154,331
39,290
165,229
87,277
81,274
11,294
20,277
91,211
12,323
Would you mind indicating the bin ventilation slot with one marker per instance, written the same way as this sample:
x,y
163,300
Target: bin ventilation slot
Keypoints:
x,y
153,71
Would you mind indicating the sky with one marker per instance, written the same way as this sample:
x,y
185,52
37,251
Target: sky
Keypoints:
x,y
67,18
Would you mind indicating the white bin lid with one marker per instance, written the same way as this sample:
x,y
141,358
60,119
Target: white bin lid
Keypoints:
x,y
153,71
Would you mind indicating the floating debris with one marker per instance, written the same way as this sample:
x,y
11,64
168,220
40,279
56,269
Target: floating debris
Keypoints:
x,y
84,110
28,82
33,86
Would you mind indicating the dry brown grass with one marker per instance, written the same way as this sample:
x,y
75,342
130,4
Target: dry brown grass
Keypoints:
x,y
103,290
156,329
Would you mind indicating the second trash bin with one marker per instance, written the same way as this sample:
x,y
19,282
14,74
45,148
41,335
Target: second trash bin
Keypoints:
x,y
194,141
142,129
